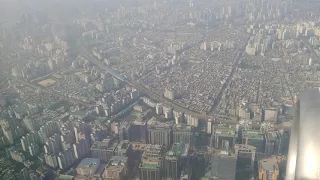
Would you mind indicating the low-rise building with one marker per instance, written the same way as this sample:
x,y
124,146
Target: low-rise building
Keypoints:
x,y
117,168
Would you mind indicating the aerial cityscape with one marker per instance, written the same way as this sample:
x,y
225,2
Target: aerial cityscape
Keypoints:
x,y
159,89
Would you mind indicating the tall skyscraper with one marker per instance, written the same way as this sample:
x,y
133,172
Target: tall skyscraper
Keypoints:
x,y
304,149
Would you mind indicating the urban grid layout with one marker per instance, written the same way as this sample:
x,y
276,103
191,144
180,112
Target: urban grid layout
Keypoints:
x,y
159,89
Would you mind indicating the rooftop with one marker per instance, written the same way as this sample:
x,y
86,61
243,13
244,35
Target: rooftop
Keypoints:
x,y
114,168
88,163
268,164
182,128
65,177
244,147
154,123
100,145
144,147
118,158
117,161
225,131
271,136
78,113
256,135
123,146
177,148
113,147
139,122
149,165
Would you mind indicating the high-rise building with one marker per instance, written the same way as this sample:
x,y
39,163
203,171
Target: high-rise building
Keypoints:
x,y
67,136
124,148
273,143
209,126
168,114
174,159
170,93
245,154
253,138
124,131
134,94
138,131
81,148
53,145
31,124
178,117
34,149
66,159
151,163
47,130
183,133
159,132
268,169
8,134
224,165
171,165
159,109
30,138
51,160
81,129
191,120
230,13
304,157
224,137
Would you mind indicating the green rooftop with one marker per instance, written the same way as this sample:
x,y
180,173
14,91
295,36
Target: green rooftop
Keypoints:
x,y
65,177
204,178
149,165
226,132
256,135
177,148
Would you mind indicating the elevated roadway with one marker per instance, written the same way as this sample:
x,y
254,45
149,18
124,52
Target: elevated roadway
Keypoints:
x,y
143,89
153,95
